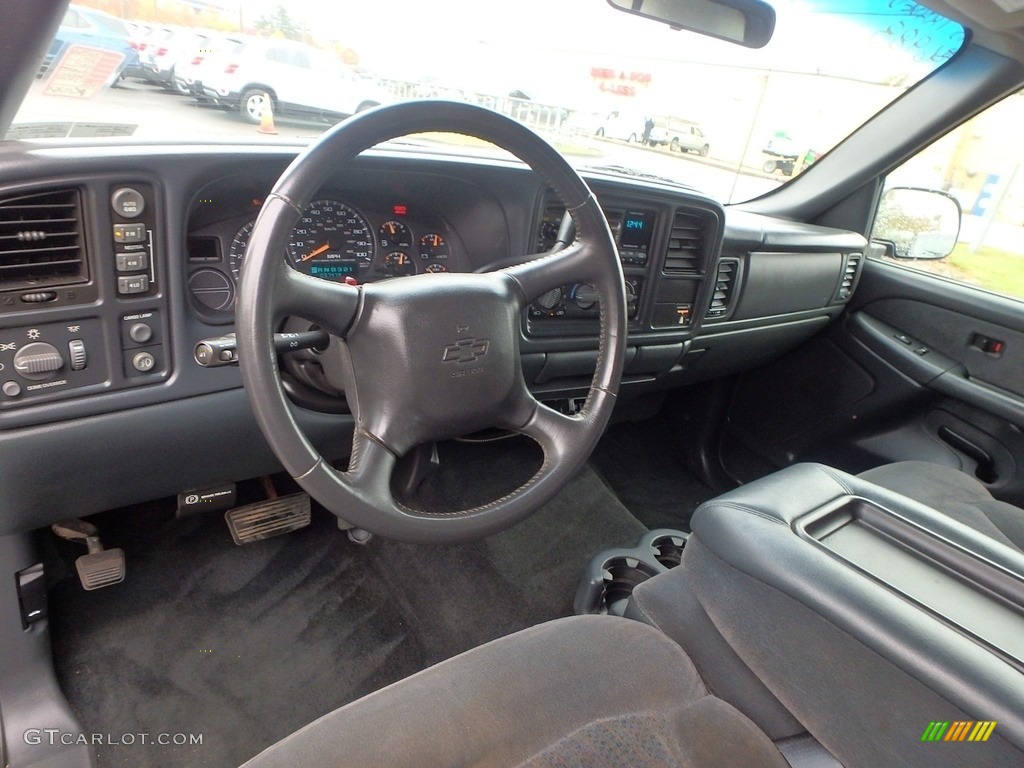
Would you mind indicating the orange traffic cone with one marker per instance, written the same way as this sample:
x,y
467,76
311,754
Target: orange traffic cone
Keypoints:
x,y
267,117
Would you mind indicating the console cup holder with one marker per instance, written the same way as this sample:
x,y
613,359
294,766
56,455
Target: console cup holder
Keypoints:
x,y
612,575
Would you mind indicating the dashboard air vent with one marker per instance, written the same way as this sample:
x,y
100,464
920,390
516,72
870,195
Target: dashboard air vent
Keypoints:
x,y
685,254
849,276
725,283
41,240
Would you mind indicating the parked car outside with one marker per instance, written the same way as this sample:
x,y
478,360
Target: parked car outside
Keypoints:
x,y
297,79
189,69
87,26
625,126
681,136
787,154
159,61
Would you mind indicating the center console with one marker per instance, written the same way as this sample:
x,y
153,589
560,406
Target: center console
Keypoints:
x,y
814,600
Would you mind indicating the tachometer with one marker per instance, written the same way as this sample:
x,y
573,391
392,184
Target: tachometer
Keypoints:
x,y
237,250
331,240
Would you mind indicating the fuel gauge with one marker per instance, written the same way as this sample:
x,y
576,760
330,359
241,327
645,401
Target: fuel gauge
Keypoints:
x,y
394,234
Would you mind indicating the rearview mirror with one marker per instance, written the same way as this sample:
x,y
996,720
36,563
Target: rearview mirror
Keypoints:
x,y
747,22
914,223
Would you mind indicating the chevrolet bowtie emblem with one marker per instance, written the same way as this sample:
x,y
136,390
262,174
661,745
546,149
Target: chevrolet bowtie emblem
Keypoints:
x,y
465,350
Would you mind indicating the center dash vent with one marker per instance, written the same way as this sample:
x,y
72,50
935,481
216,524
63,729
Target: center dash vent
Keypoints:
x,y
41,242
685,255
725,283
849,278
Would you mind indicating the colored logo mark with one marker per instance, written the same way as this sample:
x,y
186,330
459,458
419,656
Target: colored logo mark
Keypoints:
x,y
958,730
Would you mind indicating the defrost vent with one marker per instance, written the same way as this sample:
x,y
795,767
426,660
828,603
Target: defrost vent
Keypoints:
x,y
41,243
685,255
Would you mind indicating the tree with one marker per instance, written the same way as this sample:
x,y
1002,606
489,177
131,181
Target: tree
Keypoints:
x,y
278,22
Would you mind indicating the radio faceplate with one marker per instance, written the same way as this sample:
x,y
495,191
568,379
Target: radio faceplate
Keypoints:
x,y
632,229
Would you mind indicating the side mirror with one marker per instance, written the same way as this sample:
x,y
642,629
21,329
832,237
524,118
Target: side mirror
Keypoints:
x,y
747,22
915,223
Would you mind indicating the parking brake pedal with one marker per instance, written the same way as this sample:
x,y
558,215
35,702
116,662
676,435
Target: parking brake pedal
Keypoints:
x,y
268,518
101,567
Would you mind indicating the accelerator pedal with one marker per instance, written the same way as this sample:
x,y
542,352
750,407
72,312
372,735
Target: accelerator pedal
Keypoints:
x,y
101,567
272,517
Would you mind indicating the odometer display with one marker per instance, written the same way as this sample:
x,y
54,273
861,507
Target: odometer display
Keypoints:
x,y
331,240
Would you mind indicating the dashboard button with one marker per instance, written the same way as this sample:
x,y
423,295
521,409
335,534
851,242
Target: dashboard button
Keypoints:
x,y
129,233
140,333
12,388
128,202
135,284
143,362
132,262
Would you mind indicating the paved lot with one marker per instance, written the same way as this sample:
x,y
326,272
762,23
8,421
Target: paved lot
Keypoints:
x,y
156,114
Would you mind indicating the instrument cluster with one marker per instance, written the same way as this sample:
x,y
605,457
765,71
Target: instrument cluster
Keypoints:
x,y
333,240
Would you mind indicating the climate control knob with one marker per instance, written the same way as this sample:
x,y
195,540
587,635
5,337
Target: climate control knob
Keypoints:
x,y
585,295
38,361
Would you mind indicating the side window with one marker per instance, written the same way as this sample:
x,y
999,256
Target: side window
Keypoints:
x,y
978,165
279,55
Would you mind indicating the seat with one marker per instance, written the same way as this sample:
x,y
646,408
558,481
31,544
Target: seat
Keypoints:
x,y
580,691
955,493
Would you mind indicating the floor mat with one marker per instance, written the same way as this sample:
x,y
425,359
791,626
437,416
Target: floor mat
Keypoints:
x,y
641,462
242,645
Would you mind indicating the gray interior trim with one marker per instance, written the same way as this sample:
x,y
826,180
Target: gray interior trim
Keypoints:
x,y
751,528
804,751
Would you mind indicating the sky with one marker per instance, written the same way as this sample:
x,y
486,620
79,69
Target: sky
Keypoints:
x,y
548,48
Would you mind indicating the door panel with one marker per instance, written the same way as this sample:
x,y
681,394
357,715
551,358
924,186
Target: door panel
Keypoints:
x,y
945,366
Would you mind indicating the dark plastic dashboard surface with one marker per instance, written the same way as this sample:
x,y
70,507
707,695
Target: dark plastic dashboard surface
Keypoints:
x,y
160,230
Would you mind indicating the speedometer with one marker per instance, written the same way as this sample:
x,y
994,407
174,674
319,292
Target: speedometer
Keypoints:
x,y
331,240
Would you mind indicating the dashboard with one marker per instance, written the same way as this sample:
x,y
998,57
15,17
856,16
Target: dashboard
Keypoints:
x,y
115,268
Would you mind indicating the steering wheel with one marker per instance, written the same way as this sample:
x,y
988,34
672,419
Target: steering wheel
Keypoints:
x,y
427,357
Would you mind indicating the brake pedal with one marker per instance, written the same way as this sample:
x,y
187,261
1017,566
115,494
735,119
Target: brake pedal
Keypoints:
x,y
272,517
101,567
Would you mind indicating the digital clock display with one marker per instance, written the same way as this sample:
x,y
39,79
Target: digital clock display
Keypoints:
x,y
636,230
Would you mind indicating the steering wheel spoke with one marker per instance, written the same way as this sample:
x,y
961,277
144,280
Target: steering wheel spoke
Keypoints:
x,y
552,430
331,305
539,275
370,468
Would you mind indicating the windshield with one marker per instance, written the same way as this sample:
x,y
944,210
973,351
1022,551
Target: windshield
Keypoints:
x,y
612,91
